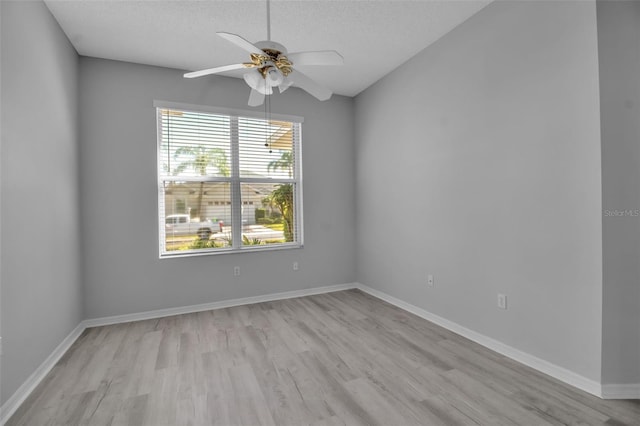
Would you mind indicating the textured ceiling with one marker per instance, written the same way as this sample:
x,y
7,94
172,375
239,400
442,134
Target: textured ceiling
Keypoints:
x,y
374,36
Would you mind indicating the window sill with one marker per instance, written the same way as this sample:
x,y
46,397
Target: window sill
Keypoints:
x,y
221,251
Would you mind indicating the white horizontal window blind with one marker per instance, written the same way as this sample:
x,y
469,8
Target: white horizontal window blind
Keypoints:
x,y
227,182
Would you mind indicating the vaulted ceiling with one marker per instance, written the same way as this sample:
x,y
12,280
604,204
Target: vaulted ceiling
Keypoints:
x,y
375,36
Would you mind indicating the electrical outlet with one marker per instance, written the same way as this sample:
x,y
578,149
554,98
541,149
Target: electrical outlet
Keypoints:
x,y
502,301
430,280
236,271
295,266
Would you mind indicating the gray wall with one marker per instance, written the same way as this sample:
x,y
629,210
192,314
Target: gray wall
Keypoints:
x,y
41,286
619,54
488,141
484,151
119,195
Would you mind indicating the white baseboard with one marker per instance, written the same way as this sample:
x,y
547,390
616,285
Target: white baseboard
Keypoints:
x,y
96,322
529,360
23,392
619,391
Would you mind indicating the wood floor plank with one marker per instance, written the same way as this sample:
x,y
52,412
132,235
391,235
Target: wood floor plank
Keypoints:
x,y
251,406
132,412
498,406
444,412
337,398
373,403
305,392
336,359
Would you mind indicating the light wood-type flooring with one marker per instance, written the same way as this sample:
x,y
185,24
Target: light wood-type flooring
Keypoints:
x,y
343,358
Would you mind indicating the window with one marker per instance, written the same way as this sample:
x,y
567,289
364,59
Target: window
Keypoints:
x,y
228,181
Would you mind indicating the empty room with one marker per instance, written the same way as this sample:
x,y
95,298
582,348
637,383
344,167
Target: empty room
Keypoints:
x,y
320,212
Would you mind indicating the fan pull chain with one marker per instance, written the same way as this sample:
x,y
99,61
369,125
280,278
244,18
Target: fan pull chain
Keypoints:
x,y
267,116
269,123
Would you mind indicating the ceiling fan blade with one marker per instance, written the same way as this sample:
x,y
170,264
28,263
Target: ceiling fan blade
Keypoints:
x,y
310,86
240,42
213,70
322,57
286,83
256,98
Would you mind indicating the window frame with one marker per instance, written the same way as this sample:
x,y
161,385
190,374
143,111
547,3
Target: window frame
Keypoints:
x,y
235,181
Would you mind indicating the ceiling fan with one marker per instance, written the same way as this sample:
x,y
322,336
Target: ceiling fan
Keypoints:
x,y
271,66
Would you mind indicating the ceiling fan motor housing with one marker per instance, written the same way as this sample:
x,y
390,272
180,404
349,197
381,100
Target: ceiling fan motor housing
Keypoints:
x,y
271,45
273,65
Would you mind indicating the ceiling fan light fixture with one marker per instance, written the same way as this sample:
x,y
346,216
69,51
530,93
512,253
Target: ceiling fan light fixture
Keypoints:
x,y
274,77
285,85
256,82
